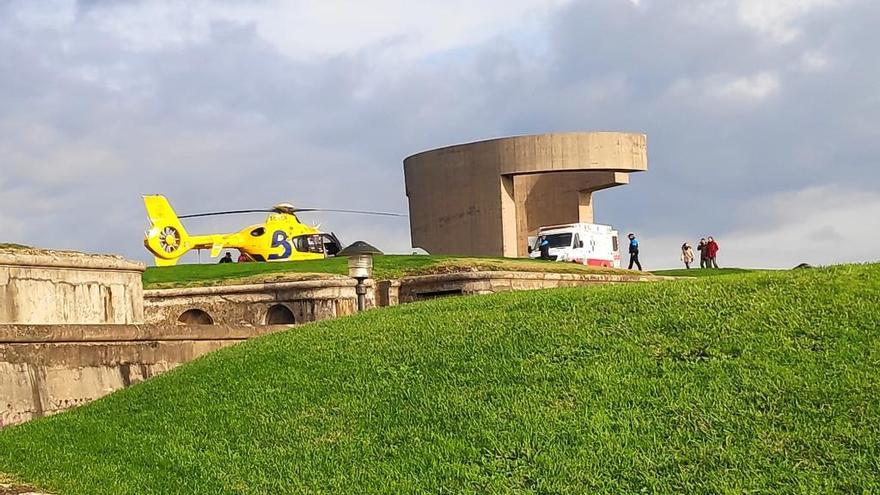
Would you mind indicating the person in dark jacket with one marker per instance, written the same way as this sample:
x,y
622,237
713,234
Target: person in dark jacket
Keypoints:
x,y
704,257
634,251
544,247
227,258
711,253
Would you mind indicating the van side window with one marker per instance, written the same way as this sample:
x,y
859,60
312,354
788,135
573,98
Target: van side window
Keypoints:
x,y
577,241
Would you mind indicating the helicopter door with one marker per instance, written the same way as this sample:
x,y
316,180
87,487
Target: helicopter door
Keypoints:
x,y
332,246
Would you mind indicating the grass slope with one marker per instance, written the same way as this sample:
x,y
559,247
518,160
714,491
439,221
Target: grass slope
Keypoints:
x,y
756,383
385,267
702,272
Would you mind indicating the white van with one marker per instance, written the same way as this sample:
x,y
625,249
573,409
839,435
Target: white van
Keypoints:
x,y
585,243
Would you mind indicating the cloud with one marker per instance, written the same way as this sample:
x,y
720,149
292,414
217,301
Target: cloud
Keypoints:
x,y
748,88
303,29
30,149
777,19
221,104
818,225
821,225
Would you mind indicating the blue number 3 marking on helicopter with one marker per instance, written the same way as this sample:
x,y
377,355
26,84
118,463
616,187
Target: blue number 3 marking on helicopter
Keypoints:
x,y
279,238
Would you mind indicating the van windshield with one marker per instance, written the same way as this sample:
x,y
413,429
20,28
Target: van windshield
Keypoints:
x,y
559,240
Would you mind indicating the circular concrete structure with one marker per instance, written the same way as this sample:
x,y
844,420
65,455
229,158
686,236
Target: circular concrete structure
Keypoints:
x,y
487,197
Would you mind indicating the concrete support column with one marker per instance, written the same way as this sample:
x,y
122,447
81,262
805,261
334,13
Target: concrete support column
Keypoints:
x,y
509,237
585,206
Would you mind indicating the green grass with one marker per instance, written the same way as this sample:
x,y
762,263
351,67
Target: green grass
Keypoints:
x,y
385,267
754,383
703,272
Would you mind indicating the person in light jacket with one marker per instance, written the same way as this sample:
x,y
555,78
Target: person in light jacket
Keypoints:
x,y
687,255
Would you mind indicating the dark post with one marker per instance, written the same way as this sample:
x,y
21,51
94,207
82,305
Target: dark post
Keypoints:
x,y
361,290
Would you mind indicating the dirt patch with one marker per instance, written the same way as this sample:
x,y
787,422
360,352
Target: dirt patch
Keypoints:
x,y
8,487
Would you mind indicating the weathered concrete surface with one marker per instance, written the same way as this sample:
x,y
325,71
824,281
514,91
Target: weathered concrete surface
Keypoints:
x,y
486,198
307,300
57,287
45,369
387,293
469,283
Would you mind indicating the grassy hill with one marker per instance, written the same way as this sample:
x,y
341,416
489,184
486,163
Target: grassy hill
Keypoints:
x,y
703,272
753,383
385,267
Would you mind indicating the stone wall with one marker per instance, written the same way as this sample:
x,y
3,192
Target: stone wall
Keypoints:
x,y
419,288
45,369
256,304
55,287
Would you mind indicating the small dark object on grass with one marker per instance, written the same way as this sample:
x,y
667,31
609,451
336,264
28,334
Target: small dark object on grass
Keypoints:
x,y
802,266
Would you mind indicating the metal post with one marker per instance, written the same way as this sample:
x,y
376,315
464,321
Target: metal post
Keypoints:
x,y
361,290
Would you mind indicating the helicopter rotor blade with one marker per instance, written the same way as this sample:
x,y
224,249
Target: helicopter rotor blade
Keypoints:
x,y
358,212
217,213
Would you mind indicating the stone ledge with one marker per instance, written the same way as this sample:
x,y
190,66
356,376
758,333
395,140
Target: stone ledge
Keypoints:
x,y
249,288
24,334
68,260
517,275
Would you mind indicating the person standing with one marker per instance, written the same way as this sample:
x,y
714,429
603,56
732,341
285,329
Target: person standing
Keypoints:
x,y
711,252
634,251
227,258
687,255
704,256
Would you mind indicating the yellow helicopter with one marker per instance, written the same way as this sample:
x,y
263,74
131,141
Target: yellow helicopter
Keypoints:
x,y
282,237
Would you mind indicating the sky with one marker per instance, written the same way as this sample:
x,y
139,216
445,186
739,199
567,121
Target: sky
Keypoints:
x,y
762,116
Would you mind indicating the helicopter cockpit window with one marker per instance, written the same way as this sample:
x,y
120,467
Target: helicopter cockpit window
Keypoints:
x,y
309,244
257,232
331,244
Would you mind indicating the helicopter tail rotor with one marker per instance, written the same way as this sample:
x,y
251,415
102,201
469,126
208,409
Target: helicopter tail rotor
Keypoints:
x,y
166,238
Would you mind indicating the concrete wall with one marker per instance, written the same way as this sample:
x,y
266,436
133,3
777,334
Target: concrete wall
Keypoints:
x,y
557,198
50,287
453,199
45,369
486,198
309,300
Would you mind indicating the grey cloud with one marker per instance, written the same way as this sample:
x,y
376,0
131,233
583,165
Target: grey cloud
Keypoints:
x,y
229,122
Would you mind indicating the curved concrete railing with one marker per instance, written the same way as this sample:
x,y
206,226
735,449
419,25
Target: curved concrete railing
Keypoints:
x,y
541,153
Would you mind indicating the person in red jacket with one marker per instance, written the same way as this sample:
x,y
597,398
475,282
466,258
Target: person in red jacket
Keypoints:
x,y
711,253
